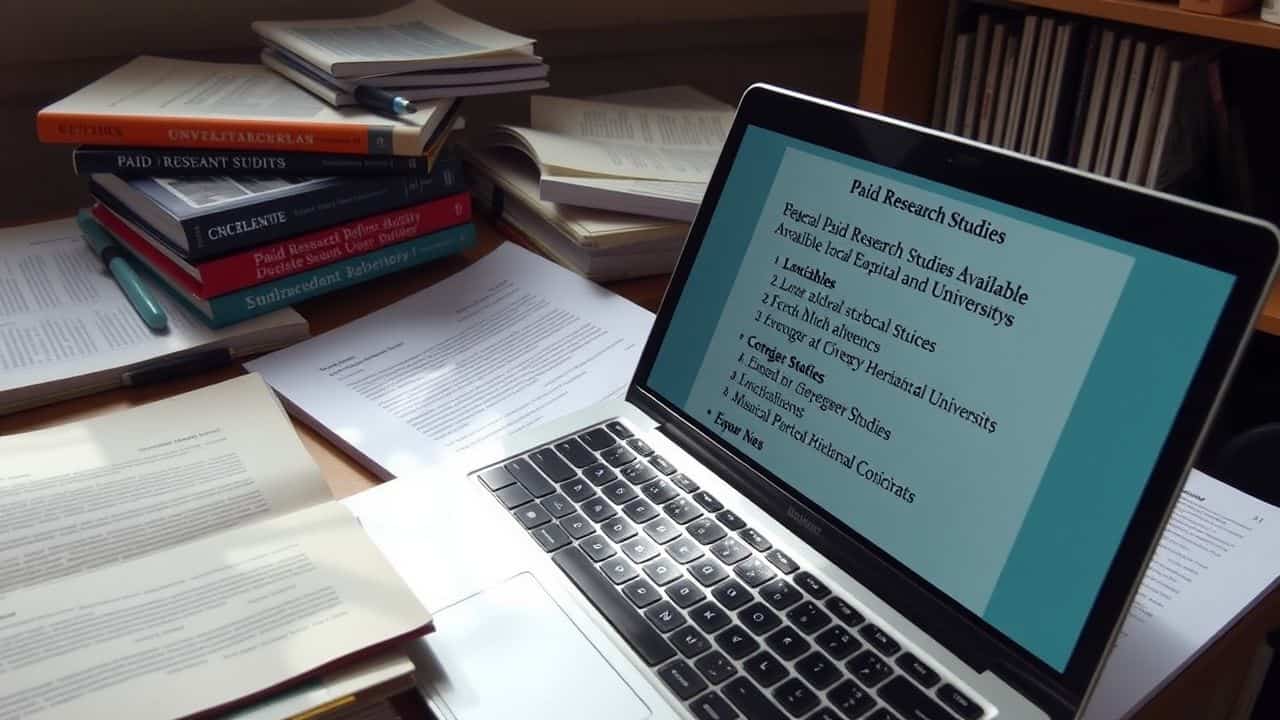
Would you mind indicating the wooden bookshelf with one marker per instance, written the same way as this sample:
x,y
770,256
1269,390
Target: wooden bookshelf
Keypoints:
x,y
1245,28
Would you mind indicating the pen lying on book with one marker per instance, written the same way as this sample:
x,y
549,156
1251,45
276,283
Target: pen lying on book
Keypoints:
x,y
379,100
115,260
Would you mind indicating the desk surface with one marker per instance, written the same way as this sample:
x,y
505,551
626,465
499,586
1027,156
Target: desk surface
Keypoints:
x,y
1204,690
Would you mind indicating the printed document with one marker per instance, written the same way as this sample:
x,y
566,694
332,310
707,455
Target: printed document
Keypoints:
x,y
509,343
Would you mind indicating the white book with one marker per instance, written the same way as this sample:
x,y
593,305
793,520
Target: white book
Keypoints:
x,y
991,84
1134,89
1111,114
1145,133
1053,89
977,77
959,83
1008,69
1021,79
1035,94
1097,95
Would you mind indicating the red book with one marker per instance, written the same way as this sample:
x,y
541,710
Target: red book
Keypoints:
x,y
264,263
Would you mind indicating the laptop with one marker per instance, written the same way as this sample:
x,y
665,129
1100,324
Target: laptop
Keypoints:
x,y
902,439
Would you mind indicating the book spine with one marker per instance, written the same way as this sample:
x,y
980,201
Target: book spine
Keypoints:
x,y
220,233
215,133
242,305
185,162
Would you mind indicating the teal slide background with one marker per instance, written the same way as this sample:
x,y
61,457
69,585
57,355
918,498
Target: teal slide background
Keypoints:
x,y
1104,454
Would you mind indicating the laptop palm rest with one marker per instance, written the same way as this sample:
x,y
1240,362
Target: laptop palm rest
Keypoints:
x,y
509,651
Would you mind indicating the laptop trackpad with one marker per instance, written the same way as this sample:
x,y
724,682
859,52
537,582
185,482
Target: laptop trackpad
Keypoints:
x,y
509,651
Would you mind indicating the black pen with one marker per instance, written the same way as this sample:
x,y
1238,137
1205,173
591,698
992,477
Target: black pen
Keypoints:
x,y
379,100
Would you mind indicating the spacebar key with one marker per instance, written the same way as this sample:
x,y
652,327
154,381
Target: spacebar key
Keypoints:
x,y
631,625
910,702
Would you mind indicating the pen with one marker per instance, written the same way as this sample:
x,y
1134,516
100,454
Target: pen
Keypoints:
x,y
115,260
379,100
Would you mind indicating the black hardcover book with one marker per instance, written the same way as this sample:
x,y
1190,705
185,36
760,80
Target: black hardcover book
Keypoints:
x,y
204,217
183,162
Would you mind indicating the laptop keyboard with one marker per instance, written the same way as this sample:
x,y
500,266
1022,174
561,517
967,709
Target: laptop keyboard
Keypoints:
x,y
732,626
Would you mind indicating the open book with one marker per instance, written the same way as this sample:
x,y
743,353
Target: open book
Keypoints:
x,y
180,558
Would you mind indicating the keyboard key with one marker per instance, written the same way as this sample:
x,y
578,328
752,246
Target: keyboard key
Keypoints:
x,y
599,474
495,478
838,642
780,594
868,668
577,490
660,491
685,550
558,505
552,465
708,572
577,526
637,473
904,698
662,530
683,482
617,456
685,593
818,670
852,700
640,510
532,515
758,618
808,617
706,531
730,550
529,478
597,439
732,595
682,680
665,617
596,548
747,698
712,707
619,492
551,537
764,668
663,571
795,697
730,519
619,570
662,465
715,667
710,617
618,529
513,496
959,702
755,539
682,510
640,549
598,509
754,571
917,670
881,713
648,644
788,643
575,452
782,561
844,612
812,585
689,641
620,431
641,593
879,640
707,501
826,713
640,447
737,643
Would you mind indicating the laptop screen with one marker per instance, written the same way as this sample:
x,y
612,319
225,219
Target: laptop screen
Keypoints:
x,y
978,390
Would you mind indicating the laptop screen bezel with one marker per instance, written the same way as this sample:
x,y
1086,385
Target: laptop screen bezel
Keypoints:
x,y
1153,220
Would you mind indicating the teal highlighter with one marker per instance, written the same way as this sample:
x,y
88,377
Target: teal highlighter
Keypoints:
x,y
117,263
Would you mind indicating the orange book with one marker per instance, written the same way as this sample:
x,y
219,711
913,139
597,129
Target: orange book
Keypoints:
x,y
163,102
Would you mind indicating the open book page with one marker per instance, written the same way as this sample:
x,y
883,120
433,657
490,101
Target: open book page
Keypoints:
x,y
422,34
509,343
203,625
63,319
102,491
1216,559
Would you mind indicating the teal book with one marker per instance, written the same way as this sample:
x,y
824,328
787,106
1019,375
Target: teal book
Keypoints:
x,y
260,299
